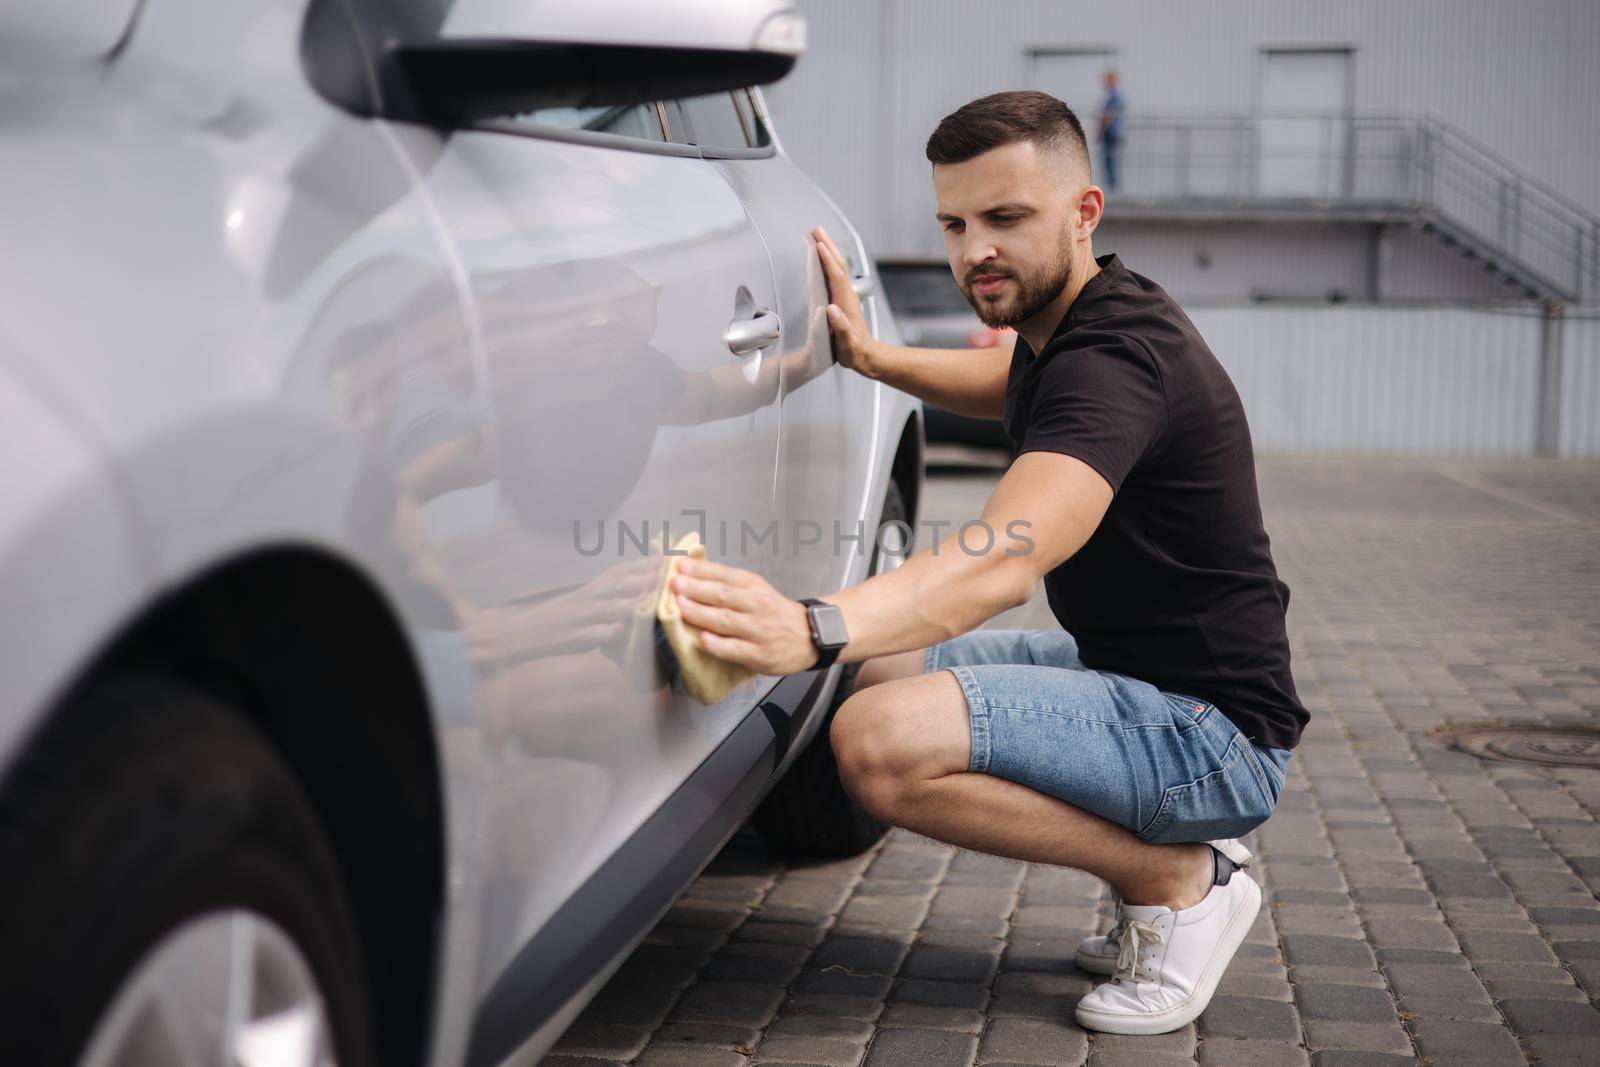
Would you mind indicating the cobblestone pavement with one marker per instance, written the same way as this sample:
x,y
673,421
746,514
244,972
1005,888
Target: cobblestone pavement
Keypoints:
x,y
1421,904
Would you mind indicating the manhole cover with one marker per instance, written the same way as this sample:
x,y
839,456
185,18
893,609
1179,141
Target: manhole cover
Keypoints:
x,y
1550,746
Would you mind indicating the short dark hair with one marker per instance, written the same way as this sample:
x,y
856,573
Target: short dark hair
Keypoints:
x,y
1005,118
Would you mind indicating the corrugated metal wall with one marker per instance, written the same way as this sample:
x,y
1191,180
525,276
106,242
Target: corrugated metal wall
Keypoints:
x,y
1580,386
1521,77
1392,381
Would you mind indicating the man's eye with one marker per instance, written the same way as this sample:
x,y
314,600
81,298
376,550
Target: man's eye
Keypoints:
x,y
951,227
1006,220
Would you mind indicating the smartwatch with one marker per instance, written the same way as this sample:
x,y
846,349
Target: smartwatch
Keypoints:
x,y
827,631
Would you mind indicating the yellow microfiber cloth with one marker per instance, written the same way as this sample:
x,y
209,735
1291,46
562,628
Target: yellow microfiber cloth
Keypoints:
x,y
705,677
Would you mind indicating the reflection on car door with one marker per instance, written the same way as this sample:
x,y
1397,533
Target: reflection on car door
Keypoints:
x,y
829,412
606,277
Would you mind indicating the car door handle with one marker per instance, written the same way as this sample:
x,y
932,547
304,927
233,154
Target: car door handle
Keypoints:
x,y
758,331
864,285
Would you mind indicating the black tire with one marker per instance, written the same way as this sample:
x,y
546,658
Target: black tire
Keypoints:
x,y
143,805
808,813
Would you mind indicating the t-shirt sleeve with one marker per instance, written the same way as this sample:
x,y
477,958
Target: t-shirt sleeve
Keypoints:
x,y
1103,405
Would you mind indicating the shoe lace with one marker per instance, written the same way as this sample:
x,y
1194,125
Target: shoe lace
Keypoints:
x,y
1137,935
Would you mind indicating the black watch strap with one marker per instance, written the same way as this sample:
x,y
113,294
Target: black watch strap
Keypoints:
x,y
826,655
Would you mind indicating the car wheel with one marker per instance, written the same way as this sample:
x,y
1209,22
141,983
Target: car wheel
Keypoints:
x,y
808,813
171,898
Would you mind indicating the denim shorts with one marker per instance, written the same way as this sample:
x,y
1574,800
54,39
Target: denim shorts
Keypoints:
x,y
1168,766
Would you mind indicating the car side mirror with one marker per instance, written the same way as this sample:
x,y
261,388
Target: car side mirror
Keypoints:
x,y
491,58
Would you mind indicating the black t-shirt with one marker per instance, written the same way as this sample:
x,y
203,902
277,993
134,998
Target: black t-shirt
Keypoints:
x,y
1176,586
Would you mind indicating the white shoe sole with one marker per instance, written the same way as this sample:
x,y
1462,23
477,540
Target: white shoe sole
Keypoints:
x,y
1190,1009
1229,847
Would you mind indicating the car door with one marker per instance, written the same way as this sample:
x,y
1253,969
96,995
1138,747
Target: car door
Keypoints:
x,y
826,458
626,310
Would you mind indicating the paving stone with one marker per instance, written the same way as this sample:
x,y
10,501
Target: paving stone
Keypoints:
x,y
930,1017
832,1005
1098,1058
1460,1042
896,887
603,1042
762,970
1492,945
1357,1036
1386,956
1023,953
630,1004
1363,976
1322,949
1178,1043
921,1048
1250,1017
821,1051
780,932
1432,1007
1231,1052
675,1056
840,979
1238,983
1426,980
1033,1041
1347,1058
858,1031
940,994
707,1035
1528,1017
952,964
967,924
728,1002
1348,1002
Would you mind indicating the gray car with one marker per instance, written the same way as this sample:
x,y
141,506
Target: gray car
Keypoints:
x,y
358,361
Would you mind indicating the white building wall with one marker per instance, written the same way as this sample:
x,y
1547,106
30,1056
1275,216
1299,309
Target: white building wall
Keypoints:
x,y
1580,386
1521,77
1384,381
1243,261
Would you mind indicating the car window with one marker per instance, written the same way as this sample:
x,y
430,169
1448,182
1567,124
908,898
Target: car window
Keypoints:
x,y
639,121
921,290
715,121
752,119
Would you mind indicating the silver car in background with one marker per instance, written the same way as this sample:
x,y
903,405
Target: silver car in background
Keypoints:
x,y
352,356
932,313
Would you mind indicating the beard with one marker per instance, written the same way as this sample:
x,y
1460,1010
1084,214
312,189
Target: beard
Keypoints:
x,y
1024,298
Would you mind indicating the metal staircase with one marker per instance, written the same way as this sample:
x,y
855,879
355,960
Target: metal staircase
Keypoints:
x,y
1363,167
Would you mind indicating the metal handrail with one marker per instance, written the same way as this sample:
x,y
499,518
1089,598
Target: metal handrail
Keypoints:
x,y
1319,160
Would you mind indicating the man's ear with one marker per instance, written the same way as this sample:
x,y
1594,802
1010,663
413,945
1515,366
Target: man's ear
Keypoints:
x,y
1091,207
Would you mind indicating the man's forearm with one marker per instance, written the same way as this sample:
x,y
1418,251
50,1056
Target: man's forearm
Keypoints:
x,y
967,381
930,598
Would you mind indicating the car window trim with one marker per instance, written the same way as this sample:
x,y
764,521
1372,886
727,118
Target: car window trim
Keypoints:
x,y
612,140
584,137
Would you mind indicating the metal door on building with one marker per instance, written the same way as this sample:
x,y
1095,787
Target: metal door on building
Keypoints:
x,y
1304,98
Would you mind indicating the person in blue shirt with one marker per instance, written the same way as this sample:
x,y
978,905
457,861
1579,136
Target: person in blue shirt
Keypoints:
x,y
1111,129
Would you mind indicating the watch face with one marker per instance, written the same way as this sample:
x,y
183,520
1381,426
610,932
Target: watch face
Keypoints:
x,y
830,625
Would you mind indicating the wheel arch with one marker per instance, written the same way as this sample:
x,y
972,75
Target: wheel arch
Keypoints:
x,y
307,649
907,466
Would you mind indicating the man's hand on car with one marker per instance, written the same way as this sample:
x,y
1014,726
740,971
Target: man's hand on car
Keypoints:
x,y
852,340
743,618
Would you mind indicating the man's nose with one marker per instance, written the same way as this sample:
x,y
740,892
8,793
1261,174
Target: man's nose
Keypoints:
x,y
977,250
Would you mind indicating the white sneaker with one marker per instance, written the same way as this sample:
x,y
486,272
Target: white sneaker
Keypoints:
x,y
1097,954
1171,961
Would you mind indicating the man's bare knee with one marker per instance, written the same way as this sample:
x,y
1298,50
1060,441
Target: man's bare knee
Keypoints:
x,y
888,668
